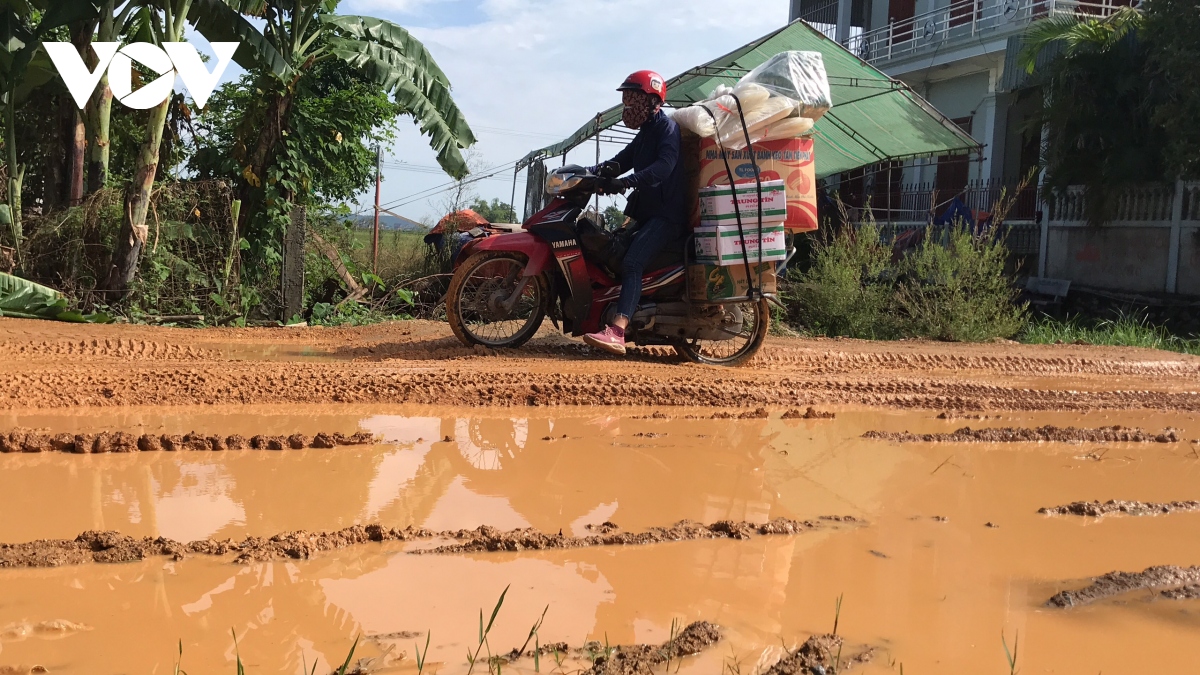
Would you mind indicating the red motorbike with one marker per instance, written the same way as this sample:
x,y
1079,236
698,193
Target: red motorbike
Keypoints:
x,y
562,264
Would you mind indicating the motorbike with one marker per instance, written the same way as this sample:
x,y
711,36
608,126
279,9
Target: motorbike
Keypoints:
x,y
563,265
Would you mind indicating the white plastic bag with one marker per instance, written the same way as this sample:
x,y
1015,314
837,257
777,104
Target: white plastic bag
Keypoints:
x,y
799,76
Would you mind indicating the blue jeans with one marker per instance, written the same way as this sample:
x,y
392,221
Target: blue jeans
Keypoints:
x,y
653,235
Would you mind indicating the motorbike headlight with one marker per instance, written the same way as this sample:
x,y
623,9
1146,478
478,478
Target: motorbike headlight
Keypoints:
x,y
557,183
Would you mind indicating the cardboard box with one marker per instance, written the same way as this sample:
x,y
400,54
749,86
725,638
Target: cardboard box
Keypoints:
x,y
716,203
723,244
789,160
717,282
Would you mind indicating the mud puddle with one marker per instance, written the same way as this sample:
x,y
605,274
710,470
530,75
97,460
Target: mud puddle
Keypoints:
x,y
924,582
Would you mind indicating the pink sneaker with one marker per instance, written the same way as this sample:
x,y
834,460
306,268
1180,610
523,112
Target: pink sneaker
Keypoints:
x,y
611,340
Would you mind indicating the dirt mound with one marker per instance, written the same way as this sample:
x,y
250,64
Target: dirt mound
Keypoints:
x,y
810,414
487,538
1097,509
756,414
25,440
1189,592
113,547
1044,434
821,654
644,659
1162,577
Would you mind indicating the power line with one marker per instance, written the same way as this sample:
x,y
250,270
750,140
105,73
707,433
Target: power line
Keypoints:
x,y
446,187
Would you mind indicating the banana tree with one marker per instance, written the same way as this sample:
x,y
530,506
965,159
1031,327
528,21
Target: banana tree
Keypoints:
x,y
24,67
98,114
305,33
164,21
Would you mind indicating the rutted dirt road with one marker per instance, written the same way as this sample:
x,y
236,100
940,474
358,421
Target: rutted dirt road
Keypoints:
x,y
52,365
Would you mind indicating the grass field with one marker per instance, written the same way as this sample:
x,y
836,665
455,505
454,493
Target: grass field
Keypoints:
x,y
398,251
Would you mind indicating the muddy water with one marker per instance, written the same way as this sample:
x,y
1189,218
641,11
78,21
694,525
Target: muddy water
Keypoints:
x,y
932,594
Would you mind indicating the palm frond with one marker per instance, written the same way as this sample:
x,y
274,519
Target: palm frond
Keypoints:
x,y
393,65
1042,34
219,21
440,119
390,35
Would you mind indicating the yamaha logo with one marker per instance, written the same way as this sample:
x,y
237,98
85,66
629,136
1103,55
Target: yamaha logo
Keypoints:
x,y
565,243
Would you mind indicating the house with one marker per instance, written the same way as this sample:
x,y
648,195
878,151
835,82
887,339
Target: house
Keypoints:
x,y
962,56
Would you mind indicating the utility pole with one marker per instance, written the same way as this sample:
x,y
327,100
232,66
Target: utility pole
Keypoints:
x,y
378,187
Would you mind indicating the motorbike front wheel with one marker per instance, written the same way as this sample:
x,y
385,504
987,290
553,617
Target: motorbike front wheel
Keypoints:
x,y
492,303
741,344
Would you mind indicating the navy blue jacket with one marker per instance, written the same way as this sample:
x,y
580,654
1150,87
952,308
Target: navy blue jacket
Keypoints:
x,y
657,172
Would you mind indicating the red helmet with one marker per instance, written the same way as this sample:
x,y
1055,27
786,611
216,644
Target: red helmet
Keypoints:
x,y
647,81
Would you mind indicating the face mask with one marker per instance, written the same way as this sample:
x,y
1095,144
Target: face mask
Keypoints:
x,y
639,106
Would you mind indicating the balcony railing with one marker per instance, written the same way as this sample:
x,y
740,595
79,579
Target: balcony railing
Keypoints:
x,y
958,20
823,17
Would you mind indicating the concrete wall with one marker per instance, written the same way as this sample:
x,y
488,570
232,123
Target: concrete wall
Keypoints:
x,y
955,98
1113,256
960,96
1189,260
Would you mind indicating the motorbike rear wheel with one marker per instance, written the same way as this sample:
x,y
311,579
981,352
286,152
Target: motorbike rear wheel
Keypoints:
x,y
741,346
475,302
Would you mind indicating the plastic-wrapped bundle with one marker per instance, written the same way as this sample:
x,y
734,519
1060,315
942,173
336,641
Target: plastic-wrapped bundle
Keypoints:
x,y
696,120
799,76
771,110
751,95
791,127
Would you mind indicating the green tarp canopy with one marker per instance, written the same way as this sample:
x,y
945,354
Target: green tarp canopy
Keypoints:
x,y
874,117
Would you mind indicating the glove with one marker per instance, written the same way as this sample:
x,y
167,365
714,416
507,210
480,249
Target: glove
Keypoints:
x,y
612,186
609,169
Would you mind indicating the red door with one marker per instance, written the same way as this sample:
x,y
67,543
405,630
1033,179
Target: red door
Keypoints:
x,y
900,12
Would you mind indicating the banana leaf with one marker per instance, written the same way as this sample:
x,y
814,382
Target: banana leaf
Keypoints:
x,y
21,298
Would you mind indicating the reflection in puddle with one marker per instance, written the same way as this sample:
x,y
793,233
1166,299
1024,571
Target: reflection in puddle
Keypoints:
x,y
933,593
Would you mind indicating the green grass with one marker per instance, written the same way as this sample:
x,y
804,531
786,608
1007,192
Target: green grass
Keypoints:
x,y
1124,331
397,251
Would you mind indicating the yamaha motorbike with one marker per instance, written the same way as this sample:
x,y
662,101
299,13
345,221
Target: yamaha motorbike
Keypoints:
x,y
563,265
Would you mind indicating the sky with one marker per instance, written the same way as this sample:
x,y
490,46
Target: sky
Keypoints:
x,y
527,73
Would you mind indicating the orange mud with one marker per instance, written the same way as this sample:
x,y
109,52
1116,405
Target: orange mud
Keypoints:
x,y
923,582
48,364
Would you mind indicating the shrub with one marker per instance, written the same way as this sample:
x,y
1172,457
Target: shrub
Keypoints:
x,y
956,289
847,290
952,287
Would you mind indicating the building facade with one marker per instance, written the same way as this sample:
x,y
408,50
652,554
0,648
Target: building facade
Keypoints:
x,y
962,56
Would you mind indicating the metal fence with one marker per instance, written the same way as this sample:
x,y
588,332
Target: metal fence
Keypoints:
x,y
964,19
922,202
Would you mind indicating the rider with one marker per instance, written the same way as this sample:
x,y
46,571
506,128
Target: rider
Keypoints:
x,y
658,203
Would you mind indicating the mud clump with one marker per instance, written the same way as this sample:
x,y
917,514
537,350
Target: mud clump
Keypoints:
x,y
1164,577
1044,434
810,414
485,538
113,547
819,655
756,414
24,440
1097,509
301,544
1189,592
91,546
643,659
